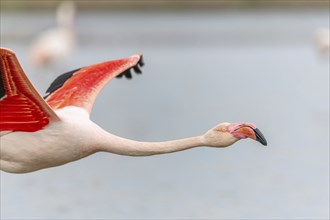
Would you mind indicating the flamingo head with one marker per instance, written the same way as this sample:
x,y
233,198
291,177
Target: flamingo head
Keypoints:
x,y
226,134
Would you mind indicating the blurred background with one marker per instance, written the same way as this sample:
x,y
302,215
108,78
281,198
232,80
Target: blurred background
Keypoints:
x,y
265,62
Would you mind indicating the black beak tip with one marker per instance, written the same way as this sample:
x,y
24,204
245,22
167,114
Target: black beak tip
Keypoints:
x,y
260,137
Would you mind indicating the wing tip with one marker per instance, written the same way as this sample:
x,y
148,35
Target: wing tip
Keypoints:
x,y
137,63
6,51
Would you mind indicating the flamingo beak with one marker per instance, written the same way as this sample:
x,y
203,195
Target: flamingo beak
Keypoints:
x,y
260,137
247,130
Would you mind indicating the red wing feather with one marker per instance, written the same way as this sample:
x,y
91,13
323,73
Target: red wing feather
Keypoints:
x,y
81,87
21,106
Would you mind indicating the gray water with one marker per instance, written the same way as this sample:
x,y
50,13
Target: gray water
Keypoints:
x,y
201,68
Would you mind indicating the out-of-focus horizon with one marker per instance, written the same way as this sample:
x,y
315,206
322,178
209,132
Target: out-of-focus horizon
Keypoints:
x,y
168,5
265,62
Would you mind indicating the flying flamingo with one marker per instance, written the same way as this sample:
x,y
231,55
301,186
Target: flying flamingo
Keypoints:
x,y
39,133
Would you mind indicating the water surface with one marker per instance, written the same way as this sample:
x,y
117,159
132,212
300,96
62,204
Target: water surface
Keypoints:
x,y
201,68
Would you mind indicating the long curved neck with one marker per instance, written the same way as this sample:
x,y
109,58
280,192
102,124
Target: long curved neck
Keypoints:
x,y
122,146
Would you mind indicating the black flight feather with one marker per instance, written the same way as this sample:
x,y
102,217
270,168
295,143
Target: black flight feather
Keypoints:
x,y
59,82
127,73
2,86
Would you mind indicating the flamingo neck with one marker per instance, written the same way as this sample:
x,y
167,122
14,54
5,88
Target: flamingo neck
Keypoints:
x,y
114,144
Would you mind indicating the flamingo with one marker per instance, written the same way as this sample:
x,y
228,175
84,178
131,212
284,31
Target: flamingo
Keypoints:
x,y
322,41
55,44
38,133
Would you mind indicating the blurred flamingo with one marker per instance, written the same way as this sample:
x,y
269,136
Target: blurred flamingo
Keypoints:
x,y
55,44
322,41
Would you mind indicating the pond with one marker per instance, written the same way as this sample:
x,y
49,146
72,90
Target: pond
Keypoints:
x,y
202,68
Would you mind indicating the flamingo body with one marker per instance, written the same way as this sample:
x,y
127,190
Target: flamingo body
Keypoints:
x,y
59,143
37,133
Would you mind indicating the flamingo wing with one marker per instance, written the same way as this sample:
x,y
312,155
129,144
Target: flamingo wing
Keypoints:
x,y
21,106
80,87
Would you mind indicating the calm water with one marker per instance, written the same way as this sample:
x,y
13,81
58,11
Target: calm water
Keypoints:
x,y
202,68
